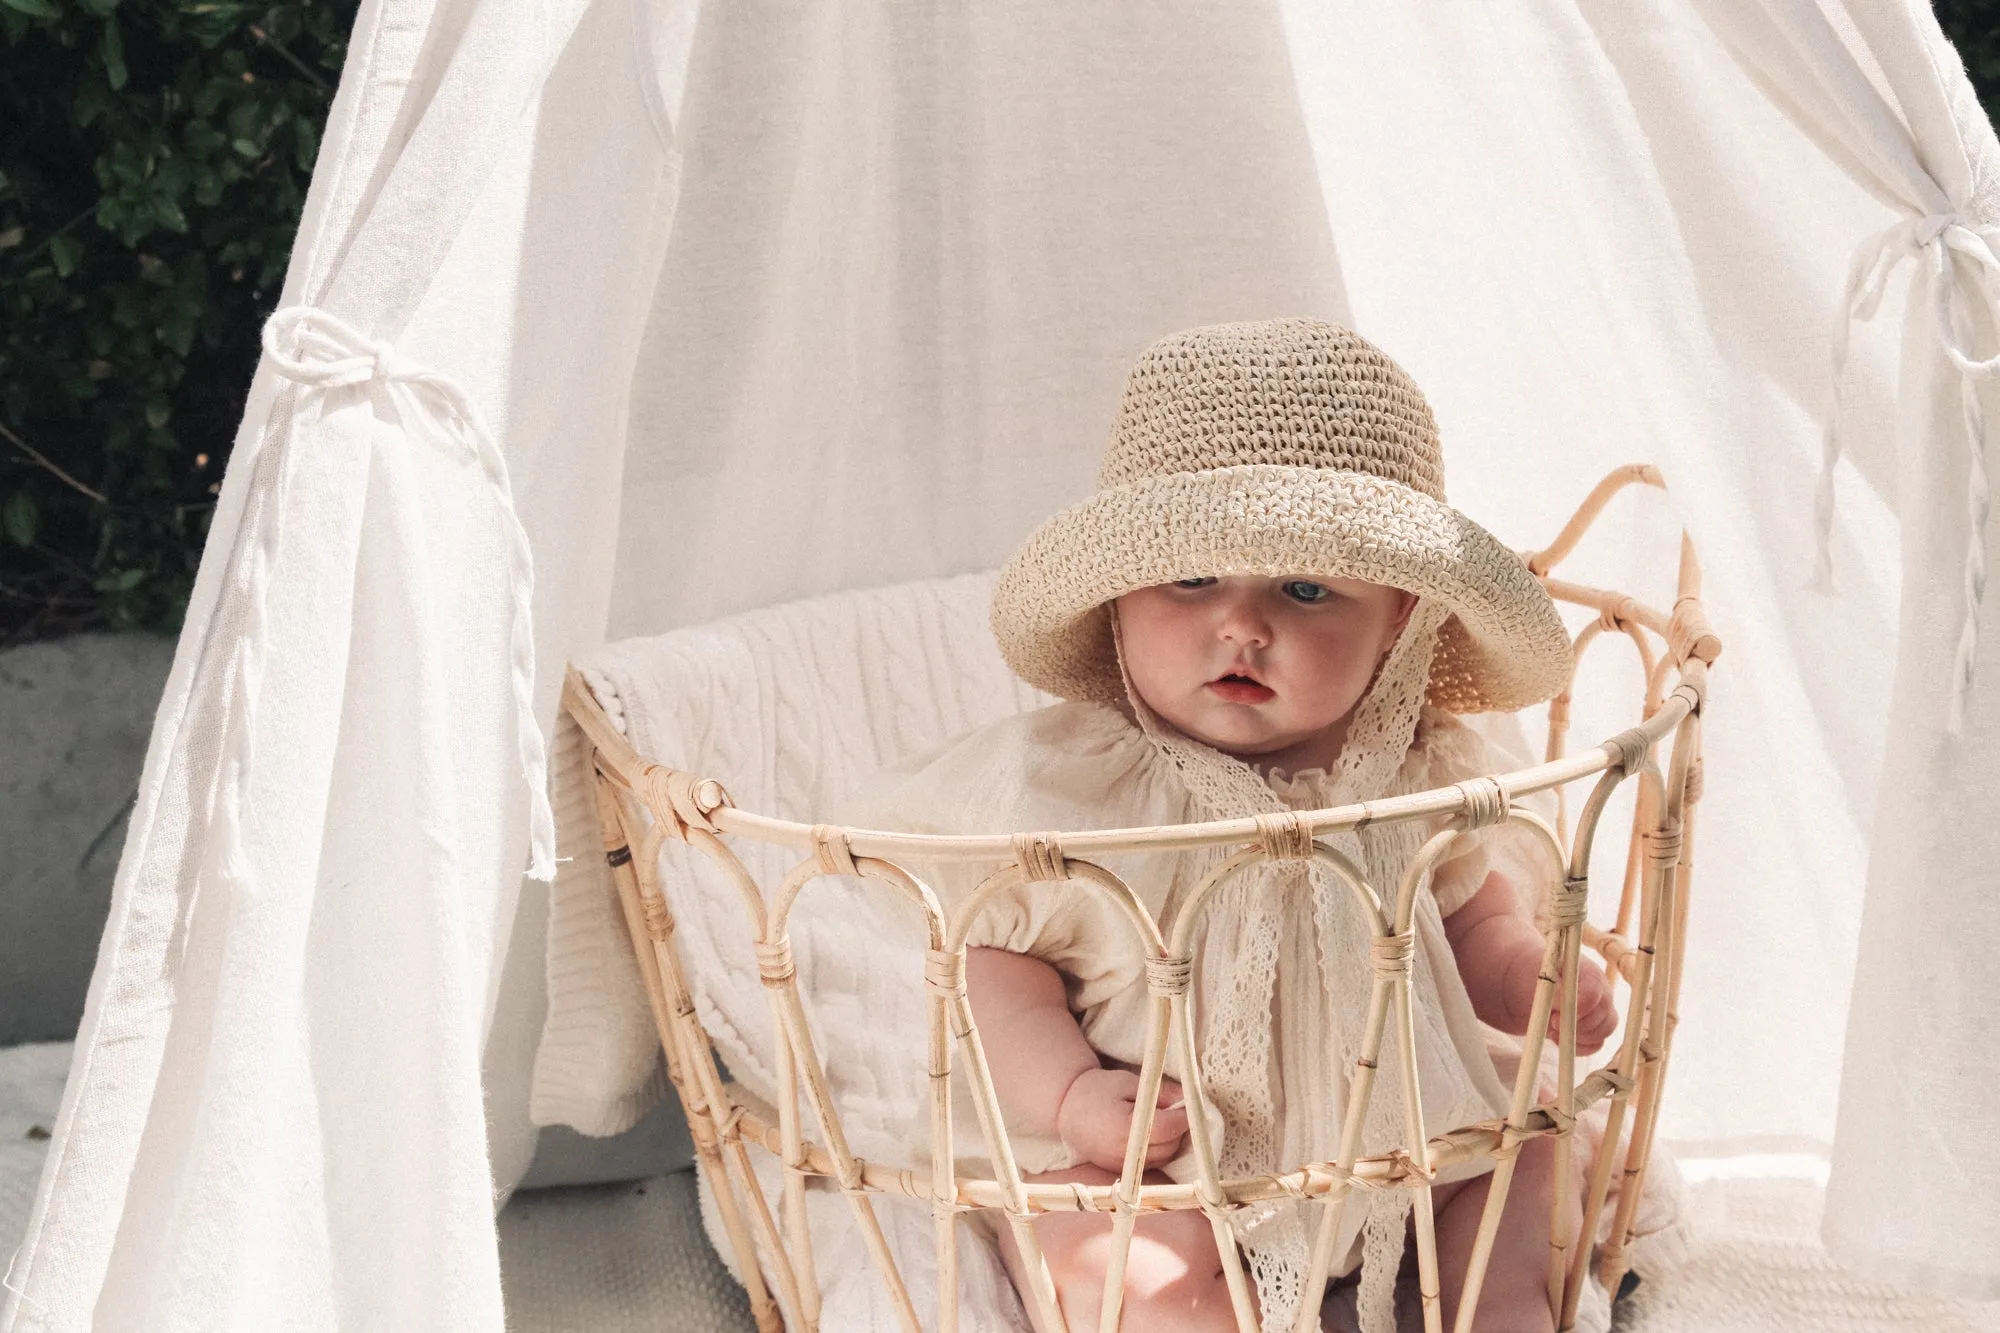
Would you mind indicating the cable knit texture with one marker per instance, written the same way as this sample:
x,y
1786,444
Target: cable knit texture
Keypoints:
x,y
788,708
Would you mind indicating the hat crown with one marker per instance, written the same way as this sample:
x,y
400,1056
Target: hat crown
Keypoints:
x,y
1291,392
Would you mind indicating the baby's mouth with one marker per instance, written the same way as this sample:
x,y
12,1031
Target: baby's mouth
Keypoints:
x,y
1236,687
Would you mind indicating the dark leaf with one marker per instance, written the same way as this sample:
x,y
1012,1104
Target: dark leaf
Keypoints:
x,y
65,252
112,47
20,517
122,580
283,23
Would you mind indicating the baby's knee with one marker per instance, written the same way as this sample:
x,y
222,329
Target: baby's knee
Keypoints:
x,y
1175,1278
1194,1298
1535,1166
1174,1281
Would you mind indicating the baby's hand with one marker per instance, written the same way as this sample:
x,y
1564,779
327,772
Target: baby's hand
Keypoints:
x,y
1596,1015
1095,1118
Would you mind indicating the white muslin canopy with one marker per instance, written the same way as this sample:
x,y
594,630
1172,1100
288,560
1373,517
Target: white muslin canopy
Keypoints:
x,y
705,307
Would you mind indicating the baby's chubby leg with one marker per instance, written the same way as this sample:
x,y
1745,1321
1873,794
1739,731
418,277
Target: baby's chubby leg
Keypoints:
x,y
1051,1082
1173,1273
1515,1296
1047,1077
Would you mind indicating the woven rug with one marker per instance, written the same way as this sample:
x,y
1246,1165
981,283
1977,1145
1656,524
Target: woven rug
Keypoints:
x,y
1757,1266
607,1258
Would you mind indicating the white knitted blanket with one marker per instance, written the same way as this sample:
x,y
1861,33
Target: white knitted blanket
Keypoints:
x,y
789,708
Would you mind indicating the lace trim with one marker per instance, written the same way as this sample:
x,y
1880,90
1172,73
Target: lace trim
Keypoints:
x,y
1242,962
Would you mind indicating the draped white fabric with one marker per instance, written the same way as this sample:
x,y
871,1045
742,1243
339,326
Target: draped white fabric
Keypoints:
x,y
274,1119
766,300
1921,1031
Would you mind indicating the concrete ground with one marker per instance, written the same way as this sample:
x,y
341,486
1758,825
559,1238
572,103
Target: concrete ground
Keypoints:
x,y
74,718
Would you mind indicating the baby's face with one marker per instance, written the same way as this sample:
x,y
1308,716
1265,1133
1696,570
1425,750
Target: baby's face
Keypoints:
x,y
1266,669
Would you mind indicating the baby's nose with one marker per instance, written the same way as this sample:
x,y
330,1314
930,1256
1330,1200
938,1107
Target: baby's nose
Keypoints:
x,y
1242,622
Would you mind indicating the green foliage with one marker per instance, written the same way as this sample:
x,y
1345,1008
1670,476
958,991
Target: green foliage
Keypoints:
x,y
1974,27
153,163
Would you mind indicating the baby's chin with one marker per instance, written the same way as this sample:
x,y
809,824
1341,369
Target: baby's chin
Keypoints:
x,y
1244,738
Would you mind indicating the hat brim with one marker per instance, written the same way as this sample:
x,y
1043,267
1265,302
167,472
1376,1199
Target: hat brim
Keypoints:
x,y
1504,647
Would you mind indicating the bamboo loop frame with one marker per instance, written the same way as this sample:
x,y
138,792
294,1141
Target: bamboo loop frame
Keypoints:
x,y
642,804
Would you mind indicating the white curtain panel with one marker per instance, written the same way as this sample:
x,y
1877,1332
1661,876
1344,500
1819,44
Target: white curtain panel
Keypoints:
x,y
1877,87
275,1119
768,299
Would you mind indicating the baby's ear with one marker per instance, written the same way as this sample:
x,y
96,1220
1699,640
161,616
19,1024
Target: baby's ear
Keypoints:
x,y
1409,605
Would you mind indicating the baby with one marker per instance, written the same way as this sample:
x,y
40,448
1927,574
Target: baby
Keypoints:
x,y
1266,606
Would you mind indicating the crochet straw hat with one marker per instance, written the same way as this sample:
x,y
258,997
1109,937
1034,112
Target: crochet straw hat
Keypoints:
x,y
1285,446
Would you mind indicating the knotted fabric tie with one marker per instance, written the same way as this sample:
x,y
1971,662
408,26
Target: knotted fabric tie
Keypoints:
x,y
320,351
1943,239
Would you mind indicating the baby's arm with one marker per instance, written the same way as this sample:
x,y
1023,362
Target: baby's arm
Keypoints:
x,y
1046,1075
1499,953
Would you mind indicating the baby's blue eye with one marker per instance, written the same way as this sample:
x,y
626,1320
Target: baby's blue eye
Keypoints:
x,y
1300,590
1192,583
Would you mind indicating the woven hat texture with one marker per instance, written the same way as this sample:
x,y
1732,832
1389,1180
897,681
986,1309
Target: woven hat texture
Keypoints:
x,y
1286,446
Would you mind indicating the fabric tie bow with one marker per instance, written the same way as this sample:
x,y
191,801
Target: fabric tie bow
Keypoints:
x,y
1944,238
320,351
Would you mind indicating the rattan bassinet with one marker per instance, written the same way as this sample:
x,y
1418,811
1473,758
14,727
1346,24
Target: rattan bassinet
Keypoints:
x,y
643,802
